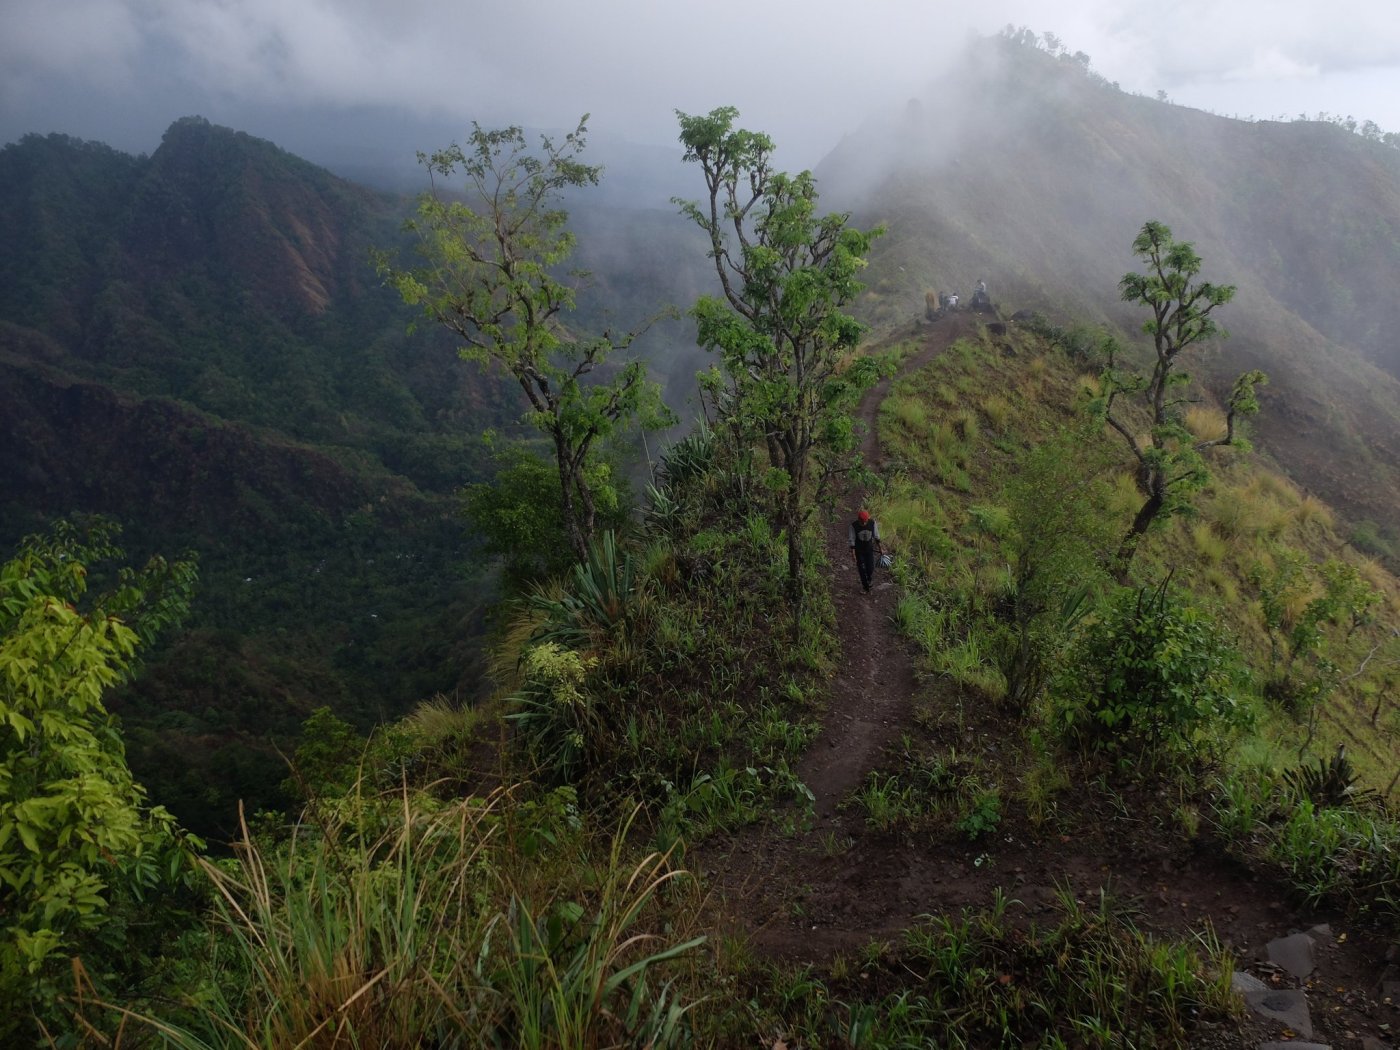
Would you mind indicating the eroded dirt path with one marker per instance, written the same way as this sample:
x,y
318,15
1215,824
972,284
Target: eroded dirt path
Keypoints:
x,y
870,696
811,886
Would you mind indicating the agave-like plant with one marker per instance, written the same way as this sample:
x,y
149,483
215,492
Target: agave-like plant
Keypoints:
x,y
1332,782
601,597
688,459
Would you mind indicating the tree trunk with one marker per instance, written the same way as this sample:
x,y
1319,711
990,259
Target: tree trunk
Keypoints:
x,y
1146,514
792,511
578,540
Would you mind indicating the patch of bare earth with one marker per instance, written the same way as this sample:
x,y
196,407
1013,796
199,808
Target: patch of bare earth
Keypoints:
x,y
810,886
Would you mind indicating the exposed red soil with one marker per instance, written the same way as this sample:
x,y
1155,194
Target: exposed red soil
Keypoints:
x,y
834,885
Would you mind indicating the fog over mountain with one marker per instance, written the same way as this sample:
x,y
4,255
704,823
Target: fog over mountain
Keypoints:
x,y
1041,182
354,84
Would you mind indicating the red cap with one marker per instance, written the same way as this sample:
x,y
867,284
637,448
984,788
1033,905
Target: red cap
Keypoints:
x,y
864,515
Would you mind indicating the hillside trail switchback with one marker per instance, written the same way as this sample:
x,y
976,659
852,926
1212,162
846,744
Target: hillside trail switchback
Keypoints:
x,y
807,888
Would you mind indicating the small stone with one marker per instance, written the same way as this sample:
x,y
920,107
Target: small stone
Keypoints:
x,y
1295,1045
1294,953
1370,1042
1321,932
1242,981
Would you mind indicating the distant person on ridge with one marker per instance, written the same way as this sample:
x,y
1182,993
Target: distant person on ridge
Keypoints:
x,y
864,537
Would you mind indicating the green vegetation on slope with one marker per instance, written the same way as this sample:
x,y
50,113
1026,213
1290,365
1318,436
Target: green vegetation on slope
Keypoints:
x,y
505,875
1253,645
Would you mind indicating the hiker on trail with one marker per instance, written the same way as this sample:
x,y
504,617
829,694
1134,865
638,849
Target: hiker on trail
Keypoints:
x,y
981,288
864,537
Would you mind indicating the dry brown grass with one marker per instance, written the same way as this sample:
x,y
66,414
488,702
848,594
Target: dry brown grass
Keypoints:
x,y
1206,422
1312,511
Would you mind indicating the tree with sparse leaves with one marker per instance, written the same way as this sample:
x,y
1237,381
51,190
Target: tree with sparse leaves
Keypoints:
x,y
492,275
1170,459
787,379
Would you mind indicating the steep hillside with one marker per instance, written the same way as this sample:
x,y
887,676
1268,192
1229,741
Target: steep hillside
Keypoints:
x,y
1028,170
227,273
195,344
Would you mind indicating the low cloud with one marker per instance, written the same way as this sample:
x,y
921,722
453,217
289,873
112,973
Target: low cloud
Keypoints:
x,y
806,71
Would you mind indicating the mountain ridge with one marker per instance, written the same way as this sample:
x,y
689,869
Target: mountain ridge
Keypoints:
x,y
1041,183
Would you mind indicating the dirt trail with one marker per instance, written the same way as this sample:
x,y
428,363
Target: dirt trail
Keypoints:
x,y
808,890
870,696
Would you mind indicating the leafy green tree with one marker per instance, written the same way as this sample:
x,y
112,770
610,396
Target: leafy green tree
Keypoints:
x,y
327,760
517,514
75,832
492,277
783,341
1170,460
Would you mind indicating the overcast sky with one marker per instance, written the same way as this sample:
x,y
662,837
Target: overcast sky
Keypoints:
x,y
806,71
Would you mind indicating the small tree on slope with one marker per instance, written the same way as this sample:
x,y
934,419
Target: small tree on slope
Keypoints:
x,y
1170,461
78,842
492,278
778,327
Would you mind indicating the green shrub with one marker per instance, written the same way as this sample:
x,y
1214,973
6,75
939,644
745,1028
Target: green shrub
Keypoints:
x,y
557,721
1154,678
79,846
982,815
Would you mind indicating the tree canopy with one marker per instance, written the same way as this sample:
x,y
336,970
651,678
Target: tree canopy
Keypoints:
x,y
492,276
1170,465
75,830
778,325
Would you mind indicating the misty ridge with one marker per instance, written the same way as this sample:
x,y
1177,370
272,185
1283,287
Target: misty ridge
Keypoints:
x,y
1019,164
231,279
514,706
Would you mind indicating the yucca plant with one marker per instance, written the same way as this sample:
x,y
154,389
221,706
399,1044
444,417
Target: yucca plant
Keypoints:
x,y
599,598
1331,782
689,458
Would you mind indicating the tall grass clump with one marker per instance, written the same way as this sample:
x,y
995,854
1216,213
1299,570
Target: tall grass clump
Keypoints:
x,y
910,412
1208,543
1205,422
997,410
408,921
